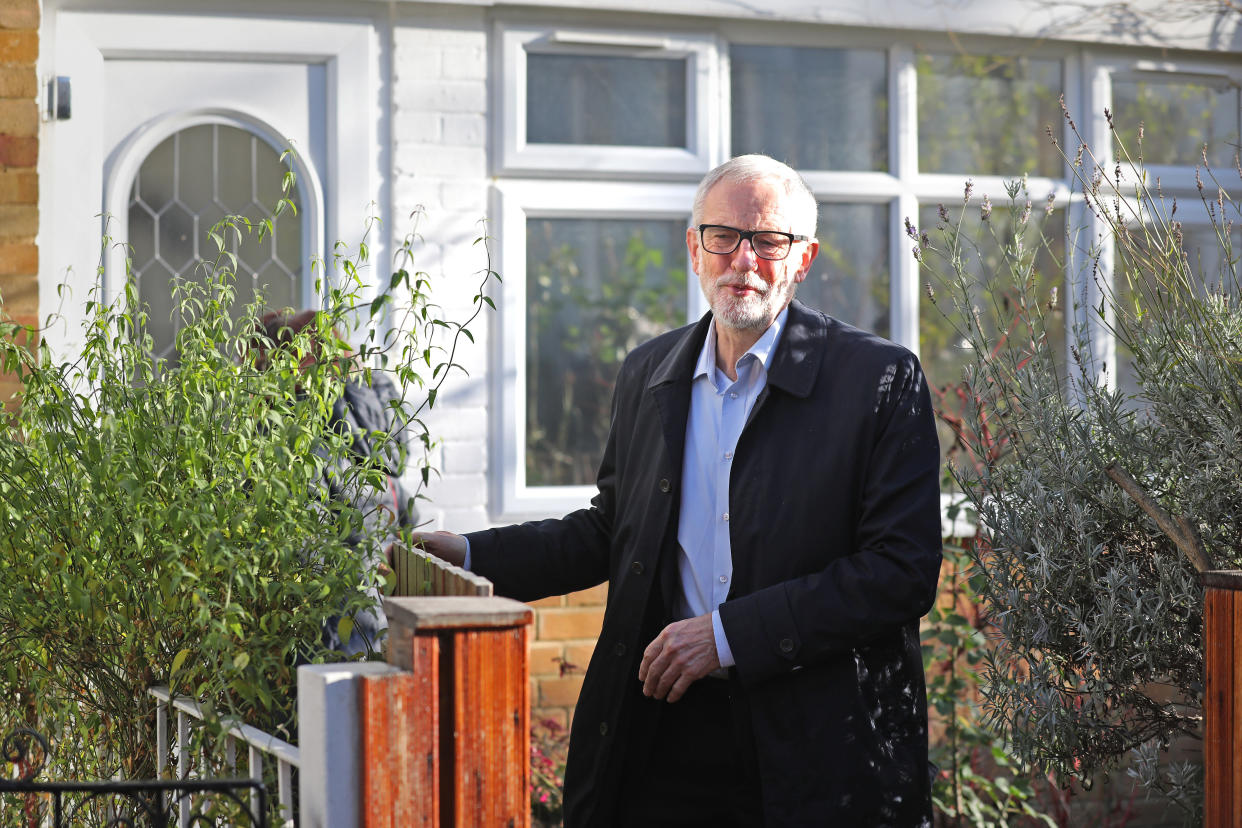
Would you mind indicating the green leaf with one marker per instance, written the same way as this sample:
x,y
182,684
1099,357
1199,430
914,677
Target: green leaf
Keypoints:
x,y
344,629
240,660
178,660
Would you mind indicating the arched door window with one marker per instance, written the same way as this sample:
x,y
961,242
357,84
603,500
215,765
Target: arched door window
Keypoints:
x,y
190,181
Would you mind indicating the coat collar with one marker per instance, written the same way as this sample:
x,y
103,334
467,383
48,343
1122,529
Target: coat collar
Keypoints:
x,y
794,365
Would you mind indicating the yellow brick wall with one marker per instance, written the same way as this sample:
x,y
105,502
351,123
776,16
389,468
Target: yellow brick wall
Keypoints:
x,y
19,155
565,631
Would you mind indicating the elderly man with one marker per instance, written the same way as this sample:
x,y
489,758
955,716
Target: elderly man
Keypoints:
x,y
768,523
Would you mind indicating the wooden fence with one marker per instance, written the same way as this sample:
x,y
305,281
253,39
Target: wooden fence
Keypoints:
x,y
438,738
1222,699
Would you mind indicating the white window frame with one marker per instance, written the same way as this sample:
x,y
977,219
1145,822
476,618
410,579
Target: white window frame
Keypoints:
x,y
1173,177
513,202
1098,71
518,157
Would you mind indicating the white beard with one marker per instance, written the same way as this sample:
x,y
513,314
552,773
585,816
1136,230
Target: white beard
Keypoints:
x,y
750,312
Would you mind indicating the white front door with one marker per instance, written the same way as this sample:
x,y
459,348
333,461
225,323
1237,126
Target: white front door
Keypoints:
x,y
198,109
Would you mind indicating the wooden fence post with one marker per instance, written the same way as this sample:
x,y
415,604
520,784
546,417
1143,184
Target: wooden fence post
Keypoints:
x,y
464,756
1222,699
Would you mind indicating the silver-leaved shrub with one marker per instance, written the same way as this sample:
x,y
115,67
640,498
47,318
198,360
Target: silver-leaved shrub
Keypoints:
x,y
1098,662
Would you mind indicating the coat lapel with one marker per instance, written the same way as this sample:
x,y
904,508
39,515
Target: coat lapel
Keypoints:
x,y
670,389
798,355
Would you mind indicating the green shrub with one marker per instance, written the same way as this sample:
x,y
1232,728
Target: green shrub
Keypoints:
x,y
168,523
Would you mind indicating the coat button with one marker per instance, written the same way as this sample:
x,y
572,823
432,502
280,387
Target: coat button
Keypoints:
x,y
637,567
619,649
786,645
665,485
603,728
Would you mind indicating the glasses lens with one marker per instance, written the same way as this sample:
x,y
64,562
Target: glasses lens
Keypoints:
x,y
771,245
720,239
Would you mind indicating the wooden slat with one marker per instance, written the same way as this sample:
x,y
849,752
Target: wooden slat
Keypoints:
x,y
418,573
1222,702
1235,733
491,714
388,764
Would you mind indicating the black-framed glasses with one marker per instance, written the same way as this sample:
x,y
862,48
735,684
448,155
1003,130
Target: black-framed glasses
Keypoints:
x,y
767,244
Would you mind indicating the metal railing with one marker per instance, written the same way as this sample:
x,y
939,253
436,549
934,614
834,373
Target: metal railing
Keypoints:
x,y
258,744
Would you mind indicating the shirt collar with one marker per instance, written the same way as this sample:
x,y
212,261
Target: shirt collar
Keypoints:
x,y
763,349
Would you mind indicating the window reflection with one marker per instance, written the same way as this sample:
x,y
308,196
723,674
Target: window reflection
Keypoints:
x,y
1179,117
850,278
594,290
986,114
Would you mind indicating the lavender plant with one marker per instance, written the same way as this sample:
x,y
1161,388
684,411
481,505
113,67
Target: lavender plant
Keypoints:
x,y
1099,610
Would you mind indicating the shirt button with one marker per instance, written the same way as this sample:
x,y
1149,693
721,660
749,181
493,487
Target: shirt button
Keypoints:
x,y
637,567
664,484
728,455
724,579
603,728
726,515
733,395
786,645
619,649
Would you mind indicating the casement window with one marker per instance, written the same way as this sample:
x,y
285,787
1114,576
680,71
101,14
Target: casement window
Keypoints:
x,y
586,101
1190,114
591,269
604,135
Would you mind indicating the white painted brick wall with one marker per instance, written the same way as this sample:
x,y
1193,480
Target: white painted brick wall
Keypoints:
x,y
439,118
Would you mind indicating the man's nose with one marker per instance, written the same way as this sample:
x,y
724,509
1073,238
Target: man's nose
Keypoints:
x,y
746,251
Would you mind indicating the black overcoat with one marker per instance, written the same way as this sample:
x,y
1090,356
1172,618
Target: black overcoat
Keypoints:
x,y
835,531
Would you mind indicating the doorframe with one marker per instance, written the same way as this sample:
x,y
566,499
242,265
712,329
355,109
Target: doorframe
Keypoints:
x,y
350,183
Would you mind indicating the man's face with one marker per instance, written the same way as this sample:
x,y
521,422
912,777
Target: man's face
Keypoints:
x,y
744,291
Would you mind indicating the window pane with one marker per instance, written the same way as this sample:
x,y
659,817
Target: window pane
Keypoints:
x,y
1213,268
594,290
850,278
188,182
814,109
1178,118
986,114
945,353
613,101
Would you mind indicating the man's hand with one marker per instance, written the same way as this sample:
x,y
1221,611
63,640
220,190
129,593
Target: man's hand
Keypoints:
x,y
681,654
444,545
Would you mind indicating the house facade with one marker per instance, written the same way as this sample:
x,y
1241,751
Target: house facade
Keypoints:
x,y
571,136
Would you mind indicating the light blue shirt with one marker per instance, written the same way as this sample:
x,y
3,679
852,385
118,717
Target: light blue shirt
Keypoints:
x,y
718,411
719,408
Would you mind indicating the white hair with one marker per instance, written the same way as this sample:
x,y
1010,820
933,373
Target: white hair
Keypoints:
x,y
804,210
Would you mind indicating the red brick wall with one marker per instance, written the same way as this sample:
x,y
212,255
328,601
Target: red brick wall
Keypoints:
x,y
565,631
19,154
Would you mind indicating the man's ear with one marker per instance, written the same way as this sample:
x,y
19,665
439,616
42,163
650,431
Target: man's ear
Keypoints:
x,y
808,258
692,245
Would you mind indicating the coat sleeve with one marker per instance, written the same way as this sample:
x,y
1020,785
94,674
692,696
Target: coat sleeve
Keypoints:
x,y
889,578
533,560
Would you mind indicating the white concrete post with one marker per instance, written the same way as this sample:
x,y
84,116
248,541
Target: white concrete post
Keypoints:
x,y
330,742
